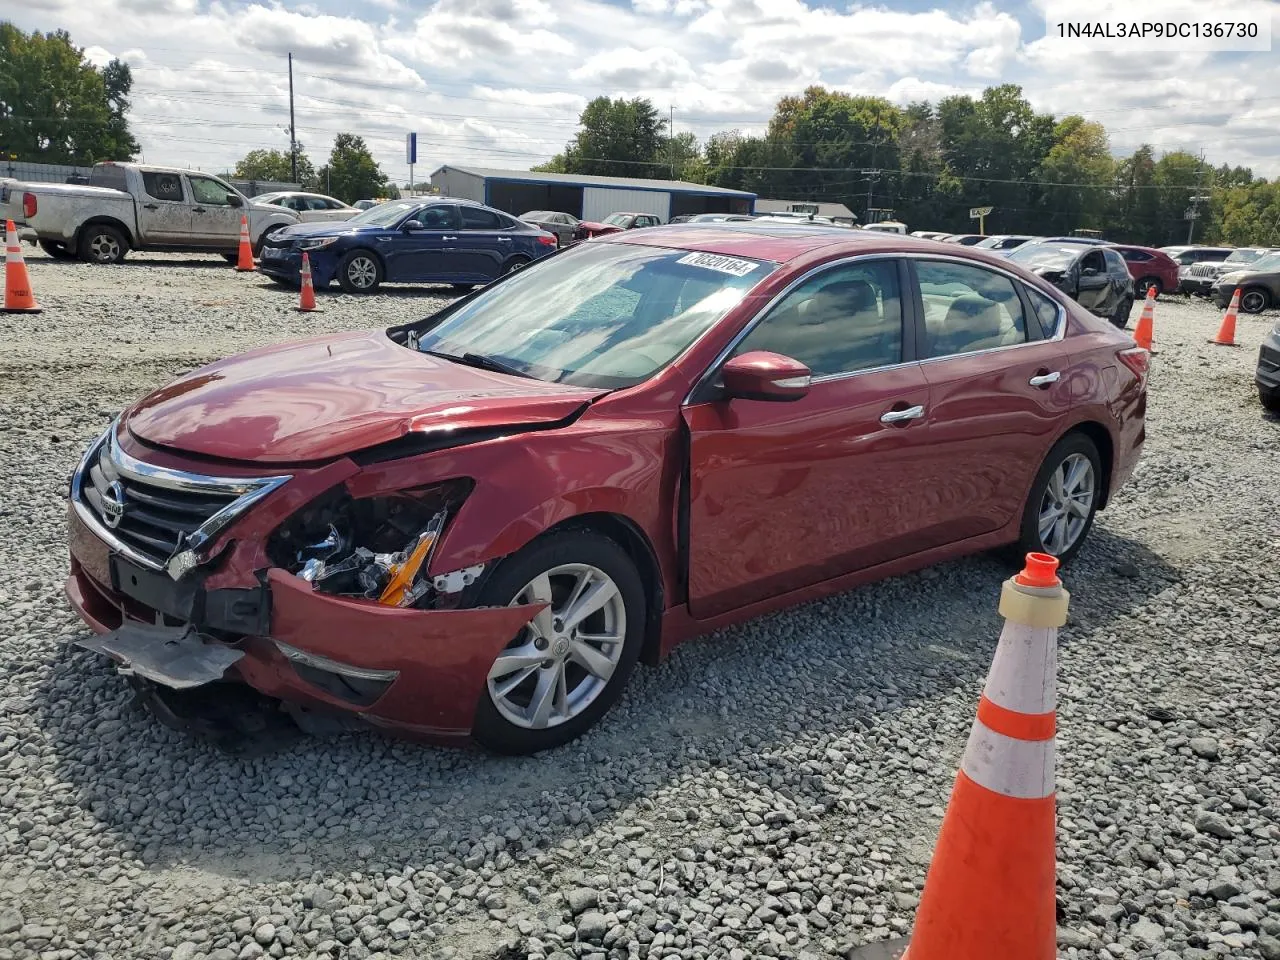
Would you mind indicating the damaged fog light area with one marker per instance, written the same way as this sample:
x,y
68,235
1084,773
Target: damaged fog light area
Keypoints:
x,y
375,548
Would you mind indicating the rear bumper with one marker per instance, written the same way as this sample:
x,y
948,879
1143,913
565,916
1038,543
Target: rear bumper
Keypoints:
x,y
1201,286
418,672
1268,373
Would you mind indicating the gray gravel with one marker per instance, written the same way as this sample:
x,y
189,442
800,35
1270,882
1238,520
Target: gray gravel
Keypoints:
x,y
771,791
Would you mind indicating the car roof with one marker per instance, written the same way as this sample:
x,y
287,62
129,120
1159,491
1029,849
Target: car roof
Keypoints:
x,y
776,241
1134,246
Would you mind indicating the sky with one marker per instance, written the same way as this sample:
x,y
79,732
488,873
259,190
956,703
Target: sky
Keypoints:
x,y
500,83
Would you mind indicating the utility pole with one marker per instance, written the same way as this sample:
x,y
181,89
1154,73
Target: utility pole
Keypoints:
x,y
1193,212
293,132
671,139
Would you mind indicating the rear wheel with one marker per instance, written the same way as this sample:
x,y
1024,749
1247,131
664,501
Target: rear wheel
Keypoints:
x,y
514,264
563,671
1149,283
1270,399
102,243
1121,317
1063,500
360,272
1254,300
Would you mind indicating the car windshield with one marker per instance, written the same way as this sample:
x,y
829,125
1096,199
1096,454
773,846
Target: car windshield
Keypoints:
x,y
385,214
535,215
1244,255
1052,256
618,219
990,242
607,315
1267,264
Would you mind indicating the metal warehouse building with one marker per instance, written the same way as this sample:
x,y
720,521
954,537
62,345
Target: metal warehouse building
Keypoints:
x,y
590,198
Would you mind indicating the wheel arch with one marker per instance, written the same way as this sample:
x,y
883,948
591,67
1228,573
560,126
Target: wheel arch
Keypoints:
x,y
1105,444
104,221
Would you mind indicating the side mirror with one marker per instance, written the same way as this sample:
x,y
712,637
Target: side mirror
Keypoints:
x,y
762,375
409,226
235,200
1089,272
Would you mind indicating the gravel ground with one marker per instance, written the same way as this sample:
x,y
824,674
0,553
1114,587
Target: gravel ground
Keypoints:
x,y
770,791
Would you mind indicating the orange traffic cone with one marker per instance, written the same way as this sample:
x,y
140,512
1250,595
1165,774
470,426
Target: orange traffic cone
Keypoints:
x,y
1227,332
1146,323
989,893
245,261
307,295
18,297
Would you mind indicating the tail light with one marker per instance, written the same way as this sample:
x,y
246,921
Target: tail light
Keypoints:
x,y
1136,359
547,240
28,205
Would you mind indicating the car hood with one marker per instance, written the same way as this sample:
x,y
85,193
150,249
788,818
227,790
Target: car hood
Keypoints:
x,y
332,228
321,398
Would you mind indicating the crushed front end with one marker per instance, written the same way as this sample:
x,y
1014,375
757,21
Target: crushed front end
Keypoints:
x,y
280,592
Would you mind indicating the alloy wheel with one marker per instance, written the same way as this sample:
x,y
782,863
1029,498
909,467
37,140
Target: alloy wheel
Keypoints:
x,y
1067,504
564,658
362,272
104,247
1253,301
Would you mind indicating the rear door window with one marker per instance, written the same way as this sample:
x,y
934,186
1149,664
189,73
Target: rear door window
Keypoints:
x,y
968,308
476,218
1046,312
163,186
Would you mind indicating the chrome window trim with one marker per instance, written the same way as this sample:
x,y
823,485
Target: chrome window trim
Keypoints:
x,y
1059,333
246,490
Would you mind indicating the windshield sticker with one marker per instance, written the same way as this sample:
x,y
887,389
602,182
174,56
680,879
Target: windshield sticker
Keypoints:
x,y
713,261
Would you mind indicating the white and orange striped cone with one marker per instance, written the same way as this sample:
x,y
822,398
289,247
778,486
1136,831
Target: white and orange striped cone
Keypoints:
x,y
989,893
1227,331
244,262
307,292
18,297
1144,333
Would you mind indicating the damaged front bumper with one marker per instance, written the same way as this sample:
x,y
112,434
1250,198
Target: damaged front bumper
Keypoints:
x,y
419,672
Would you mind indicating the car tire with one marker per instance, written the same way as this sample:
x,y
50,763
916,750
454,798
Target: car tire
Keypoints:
x,y
514,264
1254,300
360,272
56,250
1270,400
506,719
1121,317
463,288
1053,501
257,247
1146,283
102,243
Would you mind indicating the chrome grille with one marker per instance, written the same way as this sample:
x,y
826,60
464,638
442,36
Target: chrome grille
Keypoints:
x,y
152,514
1204,270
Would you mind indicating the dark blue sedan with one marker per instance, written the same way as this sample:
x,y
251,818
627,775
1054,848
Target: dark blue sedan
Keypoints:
x,y
428,240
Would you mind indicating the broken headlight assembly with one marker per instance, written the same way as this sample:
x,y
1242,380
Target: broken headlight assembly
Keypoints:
x,y
376,548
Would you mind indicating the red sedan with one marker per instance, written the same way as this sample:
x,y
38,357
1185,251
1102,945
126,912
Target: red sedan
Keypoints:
x,y
475,524
1149,268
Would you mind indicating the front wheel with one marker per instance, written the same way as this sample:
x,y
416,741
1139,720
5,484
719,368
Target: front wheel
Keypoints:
x,y
1253,300
1270,399
1149,283
514,264
360,272
1063,500
102,243
563,671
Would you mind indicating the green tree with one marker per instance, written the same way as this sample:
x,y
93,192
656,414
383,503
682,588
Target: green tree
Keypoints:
x,y
1080,156
276,165
1135,215
56,106
616,138
1250,213
1177,177
351,173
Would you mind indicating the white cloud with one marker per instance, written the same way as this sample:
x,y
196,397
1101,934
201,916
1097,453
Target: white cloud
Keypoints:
x,y
502,82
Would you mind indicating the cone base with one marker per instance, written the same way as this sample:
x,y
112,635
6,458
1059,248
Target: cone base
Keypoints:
x,y
308,310
1222,343
21,309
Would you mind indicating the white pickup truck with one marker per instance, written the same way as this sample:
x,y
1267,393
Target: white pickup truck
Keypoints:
x,y
130,206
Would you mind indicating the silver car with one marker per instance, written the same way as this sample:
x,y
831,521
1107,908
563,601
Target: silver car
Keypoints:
x,y
563,225
310,207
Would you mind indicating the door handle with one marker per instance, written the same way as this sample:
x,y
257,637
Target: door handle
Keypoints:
x,y
150,206
900,416
198,210
448,238
1044,379
504,239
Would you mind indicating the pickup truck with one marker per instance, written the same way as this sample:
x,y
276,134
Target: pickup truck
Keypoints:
x,y
130,206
